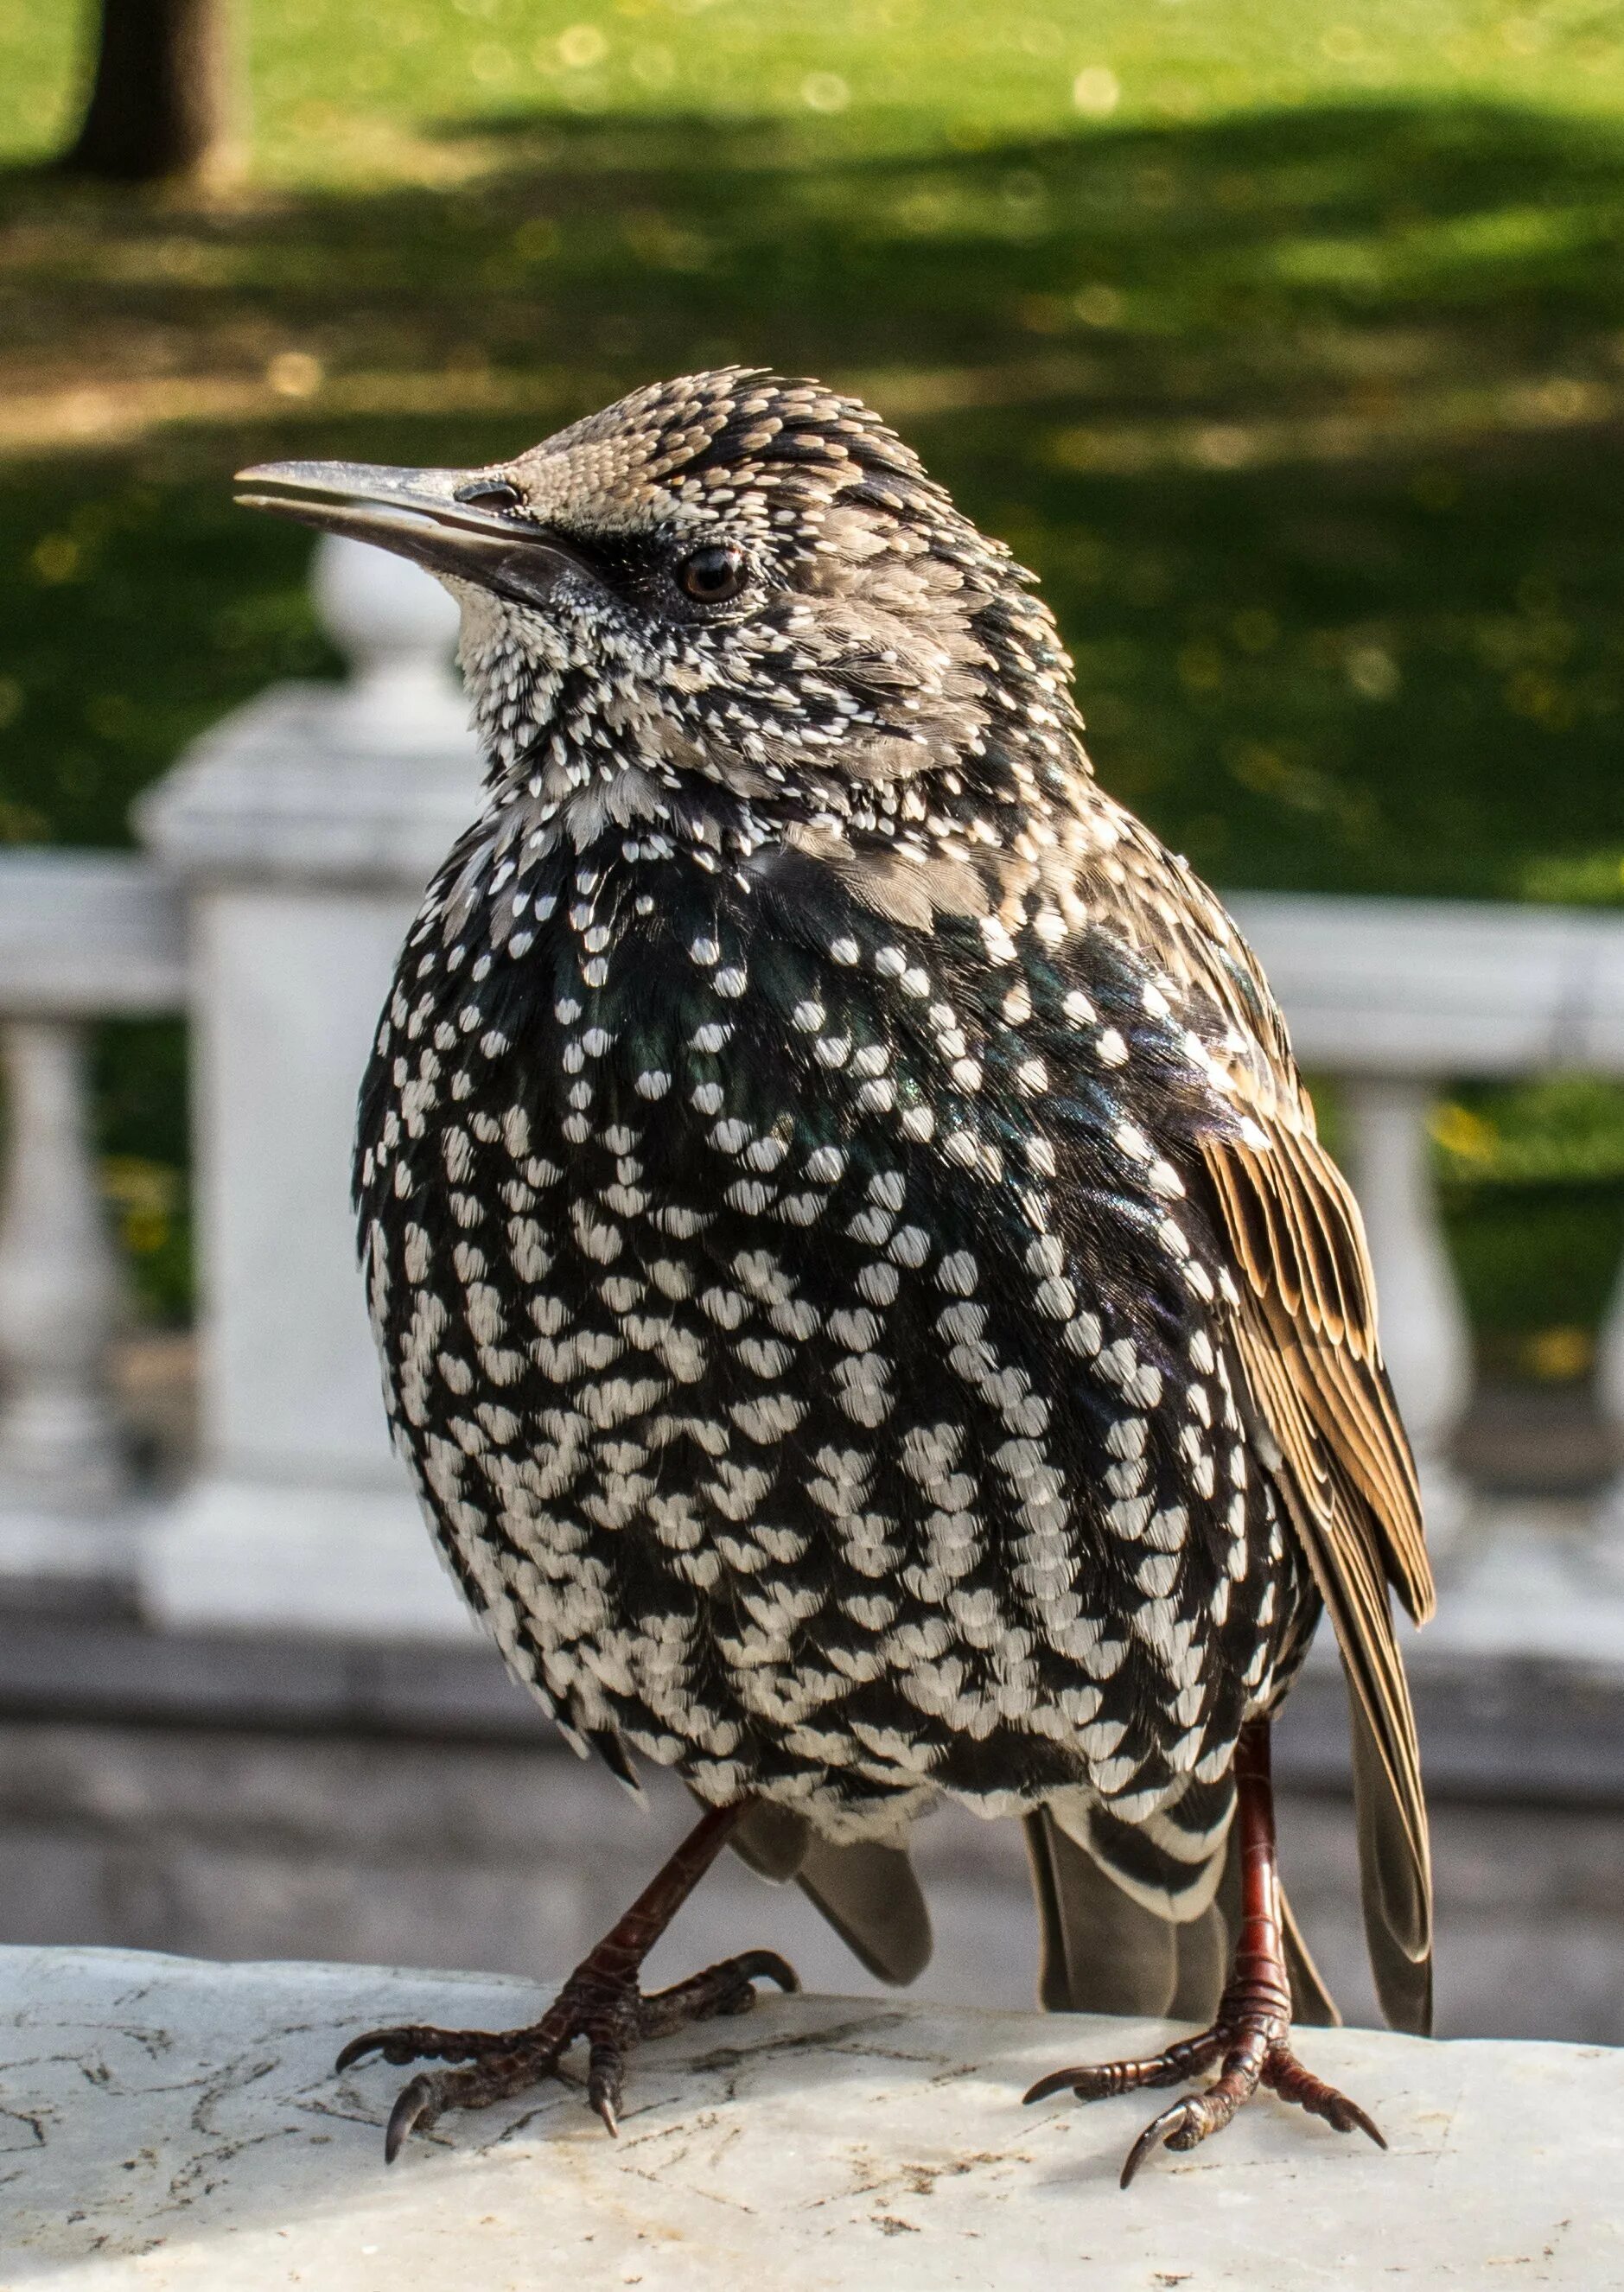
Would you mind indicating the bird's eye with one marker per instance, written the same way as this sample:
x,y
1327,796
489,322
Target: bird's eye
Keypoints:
x,y
712,574
489,493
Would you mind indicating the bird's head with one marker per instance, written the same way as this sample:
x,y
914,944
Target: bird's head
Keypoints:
x,y
731,595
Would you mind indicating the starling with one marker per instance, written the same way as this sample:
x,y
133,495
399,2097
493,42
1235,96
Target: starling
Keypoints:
x,y
858,1289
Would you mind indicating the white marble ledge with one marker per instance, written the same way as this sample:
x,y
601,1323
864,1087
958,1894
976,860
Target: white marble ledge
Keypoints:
x,y
166,2123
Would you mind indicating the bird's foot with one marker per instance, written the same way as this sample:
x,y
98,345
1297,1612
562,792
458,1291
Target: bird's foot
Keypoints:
x,y
1252,2043
601,2003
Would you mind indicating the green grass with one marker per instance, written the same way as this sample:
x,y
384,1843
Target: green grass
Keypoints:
x,y
350,95
1293,361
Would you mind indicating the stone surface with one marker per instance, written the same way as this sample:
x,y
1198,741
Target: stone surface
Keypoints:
x,y
168,2124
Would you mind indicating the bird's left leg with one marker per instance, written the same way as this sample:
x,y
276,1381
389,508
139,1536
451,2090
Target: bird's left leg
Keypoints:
x,y
1250,2035
601,2002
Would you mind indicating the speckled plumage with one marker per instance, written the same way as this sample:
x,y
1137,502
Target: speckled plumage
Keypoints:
x,y
851,1259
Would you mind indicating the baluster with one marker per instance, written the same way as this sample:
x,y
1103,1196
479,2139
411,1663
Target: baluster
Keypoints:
x,y
303,832
60,1448
1425,1335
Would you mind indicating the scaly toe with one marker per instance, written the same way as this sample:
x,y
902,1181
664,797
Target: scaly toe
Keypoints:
x,y
418,2041
723,1989
1104,2080
406,2043
603,2005
1287,2076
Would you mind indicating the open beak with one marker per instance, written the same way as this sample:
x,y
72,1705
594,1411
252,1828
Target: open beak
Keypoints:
x,y
417,515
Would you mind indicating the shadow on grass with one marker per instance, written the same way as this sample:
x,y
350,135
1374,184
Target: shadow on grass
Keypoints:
x,y
1310,421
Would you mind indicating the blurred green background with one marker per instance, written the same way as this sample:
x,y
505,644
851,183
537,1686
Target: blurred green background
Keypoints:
x,y
1284,338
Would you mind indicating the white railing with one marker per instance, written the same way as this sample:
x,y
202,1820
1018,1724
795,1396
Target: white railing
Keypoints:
x,y
285,854
83,936
1395,999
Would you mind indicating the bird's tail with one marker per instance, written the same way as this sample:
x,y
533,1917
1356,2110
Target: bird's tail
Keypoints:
x,y
1109,1946
1128,1924
867,1891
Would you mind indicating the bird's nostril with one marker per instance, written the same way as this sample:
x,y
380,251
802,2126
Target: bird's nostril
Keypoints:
x,y
488,493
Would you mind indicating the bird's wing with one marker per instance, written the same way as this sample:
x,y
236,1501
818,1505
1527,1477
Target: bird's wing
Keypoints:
x,y
1307,1337
1305,1331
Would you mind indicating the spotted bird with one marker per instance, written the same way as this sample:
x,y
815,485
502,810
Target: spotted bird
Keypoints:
x,y
858,1289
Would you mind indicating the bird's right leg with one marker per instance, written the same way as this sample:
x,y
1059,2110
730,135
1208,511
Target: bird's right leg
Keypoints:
x,y
1250,2042
601,2002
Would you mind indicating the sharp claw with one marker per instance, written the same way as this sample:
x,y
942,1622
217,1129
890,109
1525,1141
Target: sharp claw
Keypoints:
x,y
414,2105
1266,2059
358,2049
767,1965
604,2074
1163,2128
508,2059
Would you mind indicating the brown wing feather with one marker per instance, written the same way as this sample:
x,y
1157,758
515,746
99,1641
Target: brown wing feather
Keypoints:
x,y
1307,1338
1311,1296
1348,1484
1306,1331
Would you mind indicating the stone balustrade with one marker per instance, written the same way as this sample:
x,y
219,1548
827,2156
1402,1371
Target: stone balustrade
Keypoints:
x,y
83,936
284,857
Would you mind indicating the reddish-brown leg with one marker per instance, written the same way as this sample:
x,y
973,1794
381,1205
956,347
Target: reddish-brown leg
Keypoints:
x,y
600,2002
1250,2038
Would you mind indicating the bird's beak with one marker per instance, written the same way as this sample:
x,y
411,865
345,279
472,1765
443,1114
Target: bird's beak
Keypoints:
x,y
417,515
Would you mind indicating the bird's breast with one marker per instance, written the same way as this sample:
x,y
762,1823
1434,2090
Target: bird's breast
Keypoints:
x,y
812,1367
